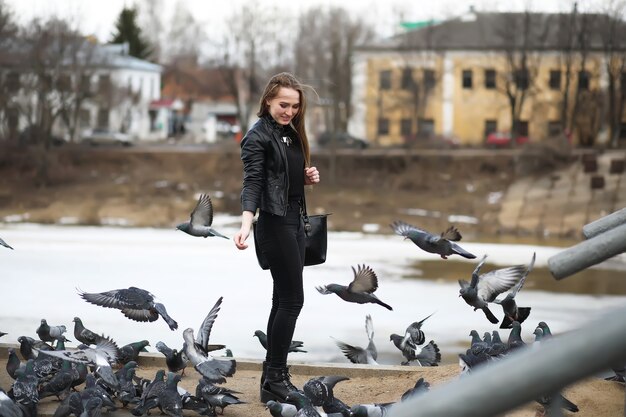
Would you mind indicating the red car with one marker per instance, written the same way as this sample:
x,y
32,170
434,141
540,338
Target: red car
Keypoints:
x,y
503,140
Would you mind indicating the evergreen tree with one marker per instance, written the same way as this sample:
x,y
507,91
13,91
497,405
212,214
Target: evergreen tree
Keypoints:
x,y
128,31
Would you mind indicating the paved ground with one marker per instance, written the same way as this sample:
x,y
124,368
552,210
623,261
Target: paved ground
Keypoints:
x,y
561,203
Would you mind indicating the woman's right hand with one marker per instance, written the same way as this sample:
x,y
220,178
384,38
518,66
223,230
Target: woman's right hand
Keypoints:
x,y
244,232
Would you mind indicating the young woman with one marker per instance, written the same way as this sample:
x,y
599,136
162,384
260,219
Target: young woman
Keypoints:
x,y
276,159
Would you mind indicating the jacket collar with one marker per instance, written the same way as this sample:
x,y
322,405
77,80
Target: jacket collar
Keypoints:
x,y
275,126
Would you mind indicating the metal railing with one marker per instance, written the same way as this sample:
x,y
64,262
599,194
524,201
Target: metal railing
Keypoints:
x,y
526,375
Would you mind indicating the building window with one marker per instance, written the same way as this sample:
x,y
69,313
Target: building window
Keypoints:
x,y
103,118
383,126
406,127
429,79
407,79
555,79
467,79
84,118
583,80
385,80
522,128
554,128
153,120
622,131
13,82
521,79
104,84
490,79
425,128
491,126
85,83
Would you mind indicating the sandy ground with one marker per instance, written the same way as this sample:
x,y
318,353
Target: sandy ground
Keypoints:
x,y
367,384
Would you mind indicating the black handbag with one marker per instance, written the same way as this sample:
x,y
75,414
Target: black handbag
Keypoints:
x,y
315,239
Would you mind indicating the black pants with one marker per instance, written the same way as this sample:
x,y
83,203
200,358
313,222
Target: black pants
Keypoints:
x,y
281,239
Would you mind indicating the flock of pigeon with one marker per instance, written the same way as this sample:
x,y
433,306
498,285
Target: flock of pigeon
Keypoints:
x,y
107,372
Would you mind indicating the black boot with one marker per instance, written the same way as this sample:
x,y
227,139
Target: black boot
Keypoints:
x,y
277,385
263,374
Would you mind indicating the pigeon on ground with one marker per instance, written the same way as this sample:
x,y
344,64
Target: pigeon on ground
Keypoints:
x,y
511,311
24,389
214,370
60,384
620,374
478,345
101,357
361,289
281,409
469,360
426,355
302,403
30,347
515,337
5,244
201,220
547,400
135,303
414,334
357,354
13,363
420,387
49,333
130,352
484,288
371,410
169,399
547,333
319,390
497,348
7,407
442,245
174,359
294,346
149,396
84,335
217,397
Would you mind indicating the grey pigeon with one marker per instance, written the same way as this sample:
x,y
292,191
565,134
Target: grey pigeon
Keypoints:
x,y
469,360
357,354
371,410
13,363
281,409
497,348
484,288
294,346
130,352
5,244
620,374
60,384
170,401
135,303
30,347
319,390
478,345
149,396
7,407
49,333
201,220
174,359
214,370
217,397
443,245
420,387
101,357
84,335
426,355
24,389
511,311
302,403
545,329
515,337
361,289
547,402
414,333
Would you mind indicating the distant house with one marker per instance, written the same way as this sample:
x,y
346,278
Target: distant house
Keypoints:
x,y
87,86
210,113
534,75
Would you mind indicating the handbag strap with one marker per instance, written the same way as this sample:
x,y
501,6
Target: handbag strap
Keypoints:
x,y
304,214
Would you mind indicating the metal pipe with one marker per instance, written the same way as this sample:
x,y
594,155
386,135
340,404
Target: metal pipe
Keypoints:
x,y
588,252
604,223
525,375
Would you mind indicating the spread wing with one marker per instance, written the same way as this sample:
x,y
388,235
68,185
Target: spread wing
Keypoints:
x,y
493,283
121,298
401,228
204,332
452,234
139,314
365,280
355,354
475,275
520,284
202,215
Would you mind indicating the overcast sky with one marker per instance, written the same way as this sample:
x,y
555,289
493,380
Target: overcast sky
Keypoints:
x,y
98,16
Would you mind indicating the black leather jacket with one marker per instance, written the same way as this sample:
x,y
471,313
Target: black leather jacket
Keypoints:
x,y
265,174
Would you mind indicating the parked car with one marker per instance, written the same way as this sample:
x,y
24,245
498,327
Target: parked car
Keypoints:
x,y
101,136
342,140
503,140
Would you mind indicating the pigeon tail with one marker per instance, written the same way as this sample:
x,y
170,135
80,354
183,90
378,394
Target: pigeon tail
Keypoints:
x,y
507,323
568,405
460,251
523,313
218,234
490,315
387,306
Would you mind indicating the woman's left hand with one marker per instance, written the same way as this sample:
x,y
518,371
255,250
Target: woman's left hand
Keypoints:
x,y
311,176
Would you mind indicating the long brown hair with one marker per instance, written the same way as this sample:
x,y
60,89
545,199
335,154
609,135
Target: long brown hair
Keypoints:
x,y
287,80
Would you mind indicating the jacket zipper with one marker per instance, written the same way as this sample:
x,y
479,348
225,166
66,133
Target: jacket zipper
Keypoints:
x,y
283,154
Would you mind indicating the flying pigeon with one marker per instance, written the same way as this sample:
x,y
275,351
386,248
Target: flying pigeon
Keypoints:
x,y
357,354
484,288
511,311
135,303
361,289
174,359
101,357
214,370
201,219
49,333
442,245
294,346
5,244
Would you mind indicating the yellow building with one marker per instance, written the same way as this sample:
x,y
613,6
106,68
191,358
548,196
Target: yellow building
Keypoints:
x,y
461,79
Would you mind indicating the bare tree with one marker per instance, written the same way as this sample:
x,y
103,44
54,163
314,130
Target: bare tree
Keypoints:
x,y
8,74
184,36
150,16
